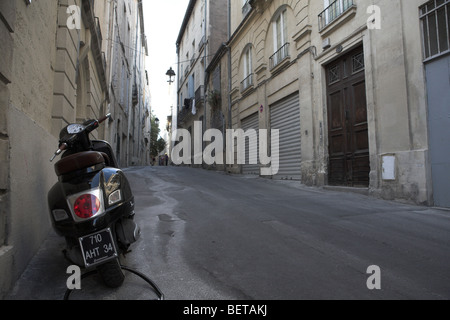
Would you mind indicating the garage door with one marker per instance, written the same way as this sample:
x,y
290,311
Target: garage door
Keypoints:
x,y
285,116
438,86
251,149
435,21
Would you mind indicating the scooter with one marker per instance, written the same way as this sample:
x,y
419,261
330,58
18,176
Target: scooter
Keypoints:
x,y
92,205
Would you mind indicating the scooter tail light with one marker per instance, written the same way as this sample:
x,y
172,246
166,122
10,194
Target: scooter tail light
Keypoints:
x,y
86,206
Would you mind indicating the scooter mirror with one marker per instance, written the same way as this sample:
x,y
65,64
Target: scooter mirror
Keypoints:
x,y
108,116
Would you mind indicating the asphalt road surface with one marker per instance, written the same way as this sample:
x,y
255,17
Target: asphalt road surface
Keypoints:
x,y
208,235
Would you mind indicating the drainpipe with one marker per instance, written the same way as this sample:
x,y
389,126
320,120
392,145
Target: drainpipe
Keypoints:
x,y
178,86
229,66
204,68
229,77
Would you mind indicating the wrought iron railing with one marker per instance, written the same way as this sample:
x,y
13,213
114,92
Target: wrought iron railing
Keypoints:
x,y
279,56
247,82
334,11
246,8
184,111
199,95
202,43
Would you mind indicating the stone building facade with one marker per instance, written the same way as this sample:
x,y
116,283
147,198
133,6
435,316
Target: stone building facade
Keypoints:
x,y
357,89
54,70
129,101
202,33
351,74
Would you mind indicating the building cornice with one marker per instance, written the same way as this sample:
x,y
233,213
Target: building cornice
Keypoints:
x,y
187,17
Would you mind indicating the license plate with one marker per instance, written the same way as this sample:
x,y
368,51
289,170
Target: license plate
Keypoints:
x,y
98,247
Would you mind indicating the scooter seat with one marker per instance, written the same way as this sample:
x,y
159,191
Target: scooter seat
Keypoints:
x,y
78,161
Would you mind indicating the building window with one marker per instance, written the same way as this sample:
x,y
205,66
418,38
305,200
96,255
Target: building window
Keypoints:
x,y
358,62
248,73
334,74
435,21
124,87
181,102
191,86
246,7
280,30
333,10
281,46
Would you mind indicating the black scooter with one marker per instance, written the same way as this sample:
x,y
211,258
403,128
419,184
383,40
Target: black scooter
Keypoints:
x,y
92,205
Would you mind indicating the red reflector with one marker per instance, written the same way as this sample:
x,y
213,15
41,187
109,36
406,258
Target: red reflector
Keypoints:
x,y
86,206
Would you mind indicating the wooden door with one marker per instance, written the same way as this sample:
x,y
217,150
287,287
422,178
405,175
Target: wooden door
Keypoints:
x,y
349,163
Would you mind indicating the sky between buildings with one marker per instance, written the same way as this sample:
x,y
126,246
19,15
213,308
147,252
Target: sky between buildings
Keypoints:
x,y
163,21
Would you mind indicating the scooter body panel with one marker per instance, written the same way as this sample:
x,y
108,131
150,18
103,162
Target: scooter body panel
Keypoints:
x,y
108,180
92,205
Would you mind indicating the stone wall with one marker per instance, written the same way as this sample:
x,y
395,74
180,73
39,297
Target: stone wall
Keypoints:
x,y
50,76
26,143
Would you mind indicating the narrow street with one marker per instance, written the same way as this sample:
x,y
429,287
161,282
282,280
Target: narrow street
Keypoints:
x,y
208,235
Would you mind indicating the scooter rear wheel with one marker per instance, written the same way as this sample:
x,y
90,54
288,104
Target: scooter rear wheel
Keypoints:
x,y
111,273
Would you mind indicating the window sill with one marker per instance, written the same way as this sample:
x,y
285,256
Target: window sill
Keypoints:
x,y
247,90
438,55
280,65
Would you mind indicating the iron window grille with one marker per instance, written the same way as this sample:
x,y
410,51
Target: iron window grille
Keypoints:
x,y
334,74
435,24
358,62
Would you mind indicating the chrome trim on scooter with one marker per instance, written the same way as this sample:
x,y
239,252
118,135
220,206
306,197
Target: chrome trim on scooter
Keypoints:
x,y
97,192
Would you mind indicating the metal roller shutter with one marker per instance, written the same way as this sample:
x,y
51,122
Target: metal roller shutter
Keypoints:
x,y
251,122
285,116
438,85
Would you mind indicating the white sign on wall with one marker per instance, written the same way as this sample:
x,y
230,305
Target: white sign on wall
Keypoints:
x,y
388,167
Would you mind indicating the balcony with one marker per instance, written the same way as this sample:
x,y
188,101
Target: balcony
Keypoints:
x,y
246,8
199,95
185,112
202,43
280,56
260,4
334,11
247,83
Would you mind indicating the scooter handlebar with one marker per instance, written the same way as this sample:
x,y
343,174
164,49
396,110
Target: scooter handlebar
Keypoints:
x,y
88,128
62,147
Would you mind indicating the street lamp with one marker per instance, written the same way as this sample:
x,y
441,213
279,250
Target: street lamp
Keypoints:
x,y
170,73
